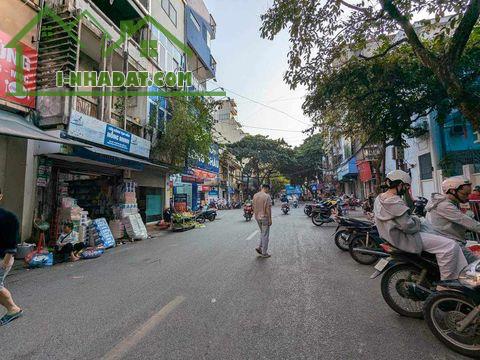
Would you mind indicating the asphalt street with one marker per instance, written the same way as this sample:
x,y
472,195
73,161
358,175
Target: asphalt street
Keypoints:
x,y
204,294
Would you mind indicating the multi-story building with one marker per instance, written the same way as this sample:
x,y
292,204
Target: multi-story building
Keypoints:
x,y
227,130
200,181
91,142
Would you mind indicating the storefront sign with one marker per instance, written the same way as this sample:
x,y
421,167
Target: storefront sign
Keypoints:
x,y
213,193
91,129
8,72
213,164
365,171
205,188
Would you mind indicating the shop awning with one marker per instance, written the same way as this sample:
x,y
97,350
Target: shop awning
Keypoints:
x,y
105,152
15,125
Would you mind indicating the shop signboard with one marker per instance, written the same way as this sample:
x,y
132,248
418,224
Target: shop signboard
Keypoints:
x,y
91,129
213,164
8,72
213,193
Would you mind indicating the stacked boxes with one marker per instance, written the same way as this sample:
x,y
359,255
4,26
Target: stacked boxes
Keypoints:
x,y
100,234
135,227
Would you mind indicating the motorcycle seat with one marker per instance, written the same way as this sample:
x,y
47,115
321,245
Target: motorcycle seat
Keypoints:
x,y
423,254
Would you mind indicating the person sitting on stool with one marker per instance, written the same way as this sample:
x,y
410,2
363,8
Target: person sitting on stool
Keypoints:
x,y
67,243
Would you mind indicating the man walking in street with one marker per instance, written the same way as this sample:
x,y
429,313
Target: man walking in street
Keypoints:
x,y
262,208
9,228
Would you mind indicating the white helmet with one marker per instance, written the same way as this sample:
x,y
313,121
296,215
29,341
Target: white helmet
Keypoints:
x,y
401,175
454,183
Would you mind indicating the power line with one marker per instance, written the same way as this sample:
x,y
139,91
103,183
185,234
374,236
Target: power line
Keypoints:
x,y
272,129
268,107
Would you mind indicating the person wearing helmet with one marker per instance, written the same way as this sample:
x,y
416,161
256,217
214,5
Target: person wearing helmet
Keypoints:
x,y
444,216
402,230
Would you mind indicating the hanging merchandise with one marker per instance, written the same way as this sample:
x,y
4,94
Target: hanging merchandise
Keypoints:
x,y
135,227
100,234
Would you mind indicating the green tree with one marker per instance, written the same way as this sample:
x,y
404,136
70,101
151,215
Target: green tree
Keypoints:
x,y
188,135
324,34
308,160
263,156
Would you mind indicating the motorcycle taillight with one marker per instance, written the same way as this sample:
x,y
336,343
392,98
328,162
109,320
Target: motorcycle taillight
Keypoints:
x,y
387,248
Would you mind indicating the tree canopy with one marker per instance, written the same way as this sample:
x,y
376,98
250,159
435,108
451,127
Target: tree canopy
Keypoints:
x,y
326,34
188,135
262,156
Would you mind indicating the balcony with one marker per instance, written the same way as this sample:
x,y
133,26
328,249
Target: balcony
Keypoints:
x,y
87,106
348,170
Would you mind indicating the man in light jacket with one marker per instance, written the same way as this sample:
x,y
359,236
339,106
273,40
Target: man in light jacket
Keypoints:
x,y
402,230
444,216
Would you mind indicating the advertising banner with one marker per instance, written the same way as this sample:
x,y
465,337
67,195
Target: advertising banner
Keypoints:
x,y
8,71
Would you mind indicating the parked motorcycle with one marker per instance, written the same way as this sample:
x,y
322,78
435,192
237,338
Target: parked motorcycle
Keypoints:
x,y
348,227
322,213
248,212
309,207
407,279
453,315
285,208
203,215
362,243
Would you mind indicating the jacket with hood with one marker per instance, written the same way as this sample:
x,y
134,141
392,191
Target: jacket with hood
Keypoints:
x,y
396,225
446,219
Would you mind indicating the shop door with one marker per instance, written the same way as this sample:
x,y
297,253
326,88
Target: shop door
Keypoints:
x,y
150,203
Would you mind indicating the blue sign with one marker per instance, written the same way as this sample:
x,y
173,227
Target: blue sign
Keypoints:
x,y
213,193
213,162
313,187
88,128
117,138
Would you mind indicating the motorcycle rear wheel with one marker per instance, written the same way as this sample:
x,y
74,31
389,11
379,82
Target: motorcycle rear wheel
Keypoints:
x,y
402,302
212,217
442,311
360,241
316,220
342,239
201,219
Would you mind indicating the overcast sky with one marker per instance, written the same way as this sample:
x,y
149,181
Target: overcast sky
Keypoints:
x,y
253,67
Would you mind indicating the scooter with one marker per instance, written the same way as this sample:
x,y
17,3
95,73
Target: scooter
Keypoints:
x,y
453,315
322,213
347,228
285,208
248,212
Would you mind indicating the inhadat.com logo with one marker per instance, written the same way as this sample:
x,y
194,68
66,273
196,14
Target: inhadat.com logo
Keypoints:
x,y
175,83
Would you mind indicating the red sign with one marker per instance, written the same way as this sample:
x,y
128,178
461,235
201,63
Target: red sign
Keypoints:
x,y
365,171
202,174
8,71
205,188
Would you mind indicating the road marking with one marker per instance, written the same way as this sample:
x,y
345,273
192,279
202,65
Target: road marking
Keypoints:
x,y
129,343
252,235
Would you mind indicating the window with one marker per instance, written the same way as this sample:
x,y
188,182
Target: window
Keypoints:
x,y
195,22
170,10
165,6
426,170
173,14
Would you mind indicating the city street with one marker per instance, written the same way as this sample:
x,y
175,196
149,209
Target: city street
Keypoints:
x,y
204,294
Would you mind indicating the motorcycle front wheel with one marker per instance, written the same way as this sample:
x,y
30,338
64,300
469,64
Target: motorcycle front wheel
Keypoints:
x,y
398,294
443,311
212,217
317,220
342,238
201,219
360,241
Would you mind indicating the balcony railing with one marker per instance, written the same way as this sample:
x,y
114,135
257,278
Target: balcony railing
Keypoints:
x,y
87,106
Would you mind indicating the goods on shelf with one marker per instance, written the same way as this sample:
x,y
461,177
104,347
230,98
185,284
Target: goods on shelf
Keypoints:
x,y
135,227
100,234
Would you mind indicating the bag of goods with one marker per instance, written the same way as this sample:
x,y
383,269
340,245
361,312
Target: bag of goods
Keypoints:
x,y
38,259
91,253
135,227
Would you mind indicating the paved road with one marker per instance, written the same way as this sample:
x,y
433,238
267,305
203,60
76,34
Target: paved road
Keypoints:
x,y
204,294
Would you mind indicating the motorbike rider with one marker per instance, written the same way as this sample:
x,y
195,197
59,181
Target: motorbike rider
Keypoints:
x,y
444,216
402,230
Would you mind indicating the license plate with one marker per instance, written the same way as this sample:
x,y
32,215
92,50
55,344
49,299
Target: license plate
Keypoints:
x,y
381,264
